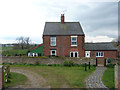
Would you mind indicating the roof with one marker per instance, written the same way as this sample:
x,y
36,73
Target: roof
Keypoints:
x,y
68,28
36,47
99,46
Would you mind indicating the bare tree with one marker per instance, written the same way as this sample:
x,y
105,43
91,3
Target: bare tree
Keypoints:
x,y
23,42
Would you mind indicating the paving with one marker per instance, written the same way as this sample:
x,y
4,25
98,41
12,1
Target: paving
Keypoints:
x,y
95,79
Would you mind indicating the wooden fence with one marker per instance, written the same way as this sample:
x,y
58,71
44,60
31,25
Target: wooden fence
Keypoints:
x,y
6,72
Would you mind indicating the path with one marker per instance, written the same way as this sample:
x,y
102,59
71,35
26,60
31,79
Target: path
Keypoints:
x,y
34,80
95,80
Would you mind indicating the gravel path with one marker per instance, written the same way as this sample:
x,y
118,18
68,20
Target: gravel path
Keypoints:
x,y
34,80
95,80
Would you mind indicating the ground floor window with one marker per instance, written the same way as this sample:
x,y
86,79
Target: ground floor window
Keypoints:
x,y
32,54
87,54
74,54
53,52
99,54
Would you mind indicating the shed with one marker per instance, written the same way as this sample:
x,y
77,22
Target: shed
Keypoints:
x,y
36,51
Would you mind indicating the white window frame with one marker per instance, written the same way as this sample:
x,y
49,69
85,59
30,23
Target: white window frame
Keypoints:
x,y
51,52
73,40
74,53
53,41
87,52
99,54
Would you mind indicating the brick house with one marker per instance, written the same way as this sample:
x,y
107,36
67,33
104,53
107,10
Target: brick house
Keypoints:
x,y
67,39
63,39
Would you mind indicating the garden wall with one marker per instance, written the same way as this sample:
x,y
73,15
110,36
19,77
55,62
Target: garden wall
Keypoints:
x,y
45,60
117,76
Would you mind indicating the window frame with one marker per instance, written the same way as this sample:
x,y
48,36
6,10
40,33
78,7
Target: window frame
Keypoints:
x,y
52,41
98,54
51,52
72,41
74,53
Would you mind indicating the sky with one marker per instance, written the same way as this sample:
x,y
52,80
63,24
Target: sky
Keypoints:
x,y
27,18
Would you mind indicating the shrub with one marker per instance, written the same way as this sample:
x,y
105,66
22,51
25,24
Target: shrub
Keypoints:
x,y
36,63
108,61
110,65
68,63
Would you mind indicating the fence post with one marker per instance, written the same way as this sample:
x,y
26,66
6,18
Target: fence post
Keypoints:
x,y
105,62
85,67
96,61
1,77
116,75
89,65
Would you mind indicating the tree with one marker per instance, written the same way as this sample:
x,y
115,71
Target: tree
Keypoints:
x,y
23,42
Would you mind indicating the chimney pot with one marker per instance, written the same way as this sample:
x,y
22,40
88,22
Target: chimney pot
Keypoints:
x,y
62,18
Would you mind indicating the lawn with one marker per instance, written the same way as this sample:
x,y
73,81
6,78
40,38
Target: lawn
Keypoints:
x,y
13,52
59,76
108,78
15,79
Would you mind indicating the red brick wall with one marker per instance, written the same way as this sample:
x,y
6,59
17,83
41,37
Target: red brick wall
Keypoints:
x,y
63,46
107,54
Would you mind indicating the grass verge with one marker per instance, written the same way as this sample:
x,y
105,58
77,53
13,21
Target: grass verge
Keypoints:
x,y
108,78
15,79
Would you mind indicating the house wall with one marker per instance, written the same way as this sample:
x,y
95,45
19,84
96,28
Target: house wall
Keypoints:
x,y
63,46
107,54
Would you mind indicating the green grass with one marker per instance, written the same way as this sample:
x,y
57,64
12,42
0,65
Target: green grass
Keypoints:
x,y
6,48
108,78
13,52
58,76
15,79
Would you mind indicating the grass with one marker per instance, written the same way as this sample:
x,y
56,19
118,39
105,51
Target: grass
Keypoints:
x,y
58,76
108,78
6,48
13,52
15,79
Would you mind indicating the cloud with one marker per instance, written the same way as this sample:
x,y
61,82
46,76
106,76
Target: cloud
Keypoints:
x,y
27,17
98,39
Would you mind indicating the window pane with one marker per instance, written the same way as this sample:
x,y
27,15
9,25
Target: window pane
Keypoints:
x,y
53,41
74,43
75,54
53,52
71,54
97,54
74,38
101,53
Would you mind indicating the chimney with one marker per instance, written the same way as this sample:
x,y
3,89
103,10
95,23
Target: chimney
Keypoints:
x,y
62,18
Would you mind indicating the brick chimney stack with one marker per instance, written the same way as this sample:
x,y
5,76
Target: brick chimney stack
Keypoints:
x,y
62,19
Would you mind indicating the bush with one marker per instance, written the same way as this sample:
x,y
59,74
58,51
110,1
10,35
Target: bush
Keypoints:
x,y
68,63
36,63
108,61
110,65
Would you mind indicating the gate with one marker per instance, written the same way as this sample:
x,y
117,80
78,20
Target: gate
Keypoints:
x,y
100,61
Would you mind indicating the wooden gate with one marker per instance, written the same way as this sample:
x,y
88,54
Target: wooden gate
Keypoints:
x,y
100,62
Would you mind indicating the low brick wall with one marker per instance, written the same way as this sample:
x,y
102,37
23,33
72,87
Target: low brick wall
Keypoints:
x,y
1,77
21,60
117,76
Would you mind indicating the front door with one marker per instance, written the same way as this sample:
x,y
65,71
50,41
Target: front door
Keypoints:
x,y
87,54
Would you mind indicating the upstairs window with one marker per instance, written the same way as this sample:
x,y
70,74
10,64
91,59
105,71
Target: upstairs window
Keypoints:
x,y
73,40
53,41
99,54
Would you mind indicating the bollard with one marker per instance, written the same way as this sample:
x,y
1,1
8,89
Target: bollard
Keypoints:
x,y
96,61
85,67
89,65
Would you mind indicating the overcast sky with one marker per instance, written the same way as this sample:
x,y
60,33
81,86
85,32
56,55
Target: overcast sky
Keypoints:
x,y
27,18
